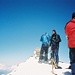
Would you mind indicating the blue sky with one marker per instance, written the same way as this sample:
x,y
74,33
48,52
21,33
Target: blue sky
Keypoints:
x,y
22,22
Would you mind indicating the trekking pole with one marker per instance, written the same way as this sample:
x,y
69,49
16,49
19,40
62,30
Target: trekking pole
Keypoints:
x,y
53,66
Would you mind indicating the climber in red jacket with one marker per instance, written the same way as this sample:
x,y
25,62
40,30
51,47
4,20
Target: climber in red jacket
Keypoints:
x,y
70,34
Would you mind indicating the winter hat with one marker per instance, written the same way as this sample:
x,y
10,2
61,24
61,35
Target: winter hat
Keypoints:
x,y
73,15
54,31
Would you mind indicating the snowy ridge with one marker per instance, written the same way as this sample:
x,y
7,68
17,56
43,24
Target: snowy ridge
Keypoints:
x,y
32,67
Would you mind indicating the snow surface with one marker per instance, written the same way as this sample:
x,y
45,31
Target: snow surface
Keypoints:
x,y
32,67
2,67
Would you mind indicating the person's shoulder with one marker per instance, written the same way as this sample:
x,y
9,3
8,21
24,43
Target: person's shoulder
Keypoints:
x,y
58,35
68,22
43,35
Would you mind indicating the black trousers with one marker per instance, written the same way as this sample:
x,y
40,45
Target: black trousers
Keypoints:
x,y
72,55
44,48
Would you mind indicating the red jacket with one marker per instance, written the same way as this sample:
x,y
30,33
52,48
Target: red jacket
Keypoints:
x,y
70,32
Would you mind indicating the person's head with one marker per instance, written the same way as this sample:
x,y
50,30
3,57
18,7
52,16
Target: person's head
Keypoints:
x,y
46,33
53,31
73,15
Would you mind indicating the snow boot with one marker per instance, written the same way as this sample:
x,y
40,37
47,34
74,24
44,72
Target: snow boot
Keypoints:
x,y
69,67
73,68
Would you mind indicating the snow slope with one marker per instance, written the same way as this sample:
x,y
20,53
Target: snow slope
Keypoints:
x,y
32,67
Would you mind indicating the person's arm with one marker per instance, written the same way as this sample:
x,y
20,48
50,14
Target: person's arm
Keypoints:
x,y
59,40
50,40
41,38
66,31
